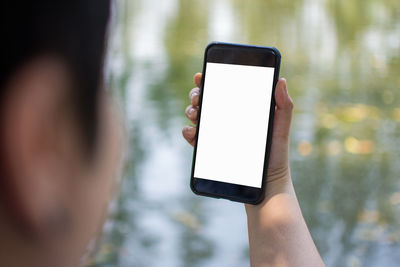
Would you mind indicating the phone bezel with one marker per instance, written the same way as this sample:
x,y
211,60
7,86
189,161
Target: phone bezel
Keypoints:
x,y
228,53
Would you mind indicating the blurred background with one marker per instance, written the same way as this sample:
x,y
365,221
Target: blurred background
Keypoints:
x,y
342,62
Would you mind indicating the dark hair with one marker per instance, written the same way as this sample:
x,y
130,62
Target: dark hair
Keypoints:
x,y
73,30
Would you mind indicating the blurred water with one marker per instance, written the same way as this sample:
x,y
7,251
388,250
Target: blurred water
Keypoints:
x,y
342,62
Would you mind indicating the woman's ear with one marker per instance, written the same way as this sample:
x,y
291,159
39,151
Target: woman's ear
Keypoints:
x,y
37,145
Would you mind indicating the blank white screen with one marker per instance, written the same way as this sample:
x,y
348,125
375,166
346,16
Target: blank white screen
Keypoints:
x,y
234,123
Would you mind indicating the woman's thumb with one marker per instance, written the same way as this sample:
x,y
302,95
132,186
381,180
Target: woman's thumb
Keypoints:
x,y
283,111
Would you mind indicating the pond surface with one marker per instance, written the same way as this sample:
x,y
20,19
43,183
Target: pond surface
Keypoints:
x,y
342,63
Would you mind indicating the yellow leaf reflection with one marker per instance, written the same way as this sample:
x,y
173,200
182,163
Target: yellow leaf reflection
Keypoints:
x,y
304,148
396,114
355,146
369,216
355,113
358,112
329,121
187,219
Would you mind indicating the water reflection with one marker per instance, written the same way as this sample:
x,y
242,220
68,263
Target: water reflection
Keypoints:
x,y
342,62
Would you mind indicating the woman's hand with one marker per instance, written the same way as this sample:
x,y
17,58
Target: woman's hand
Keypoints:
x,y
278,167
278,234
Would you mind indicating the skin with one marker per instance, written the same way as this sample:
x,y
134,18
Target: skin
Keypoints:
x,y
54,194
278,234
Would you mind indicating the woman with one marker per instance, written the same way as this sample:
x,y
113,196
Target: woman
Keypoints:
x,y
60,143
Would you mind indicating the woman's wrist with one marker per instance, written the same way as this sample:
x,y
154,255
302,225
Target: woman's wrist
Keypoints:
x,y
278,182
280,203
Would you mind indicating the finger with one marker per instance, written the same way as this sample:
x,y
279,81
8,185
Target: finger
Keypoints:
x,y
283,112
197,79
195,91
189,133
191,113
195,97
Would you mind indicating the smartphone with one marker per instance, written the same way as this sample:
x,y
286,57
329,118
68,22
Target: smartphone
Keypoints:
x,y
235,120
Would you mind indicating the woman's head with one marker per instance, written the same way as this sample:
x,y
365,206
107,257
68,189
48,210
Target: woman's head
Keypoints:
x,y
58,138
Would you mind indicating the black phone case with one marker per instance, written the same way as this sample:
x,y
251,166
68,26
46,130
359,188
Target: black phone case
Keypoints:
x,y
270,124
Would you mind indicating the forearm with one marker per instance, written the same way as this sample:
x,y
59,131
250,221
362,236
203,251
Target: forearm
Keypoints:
x,y
278,234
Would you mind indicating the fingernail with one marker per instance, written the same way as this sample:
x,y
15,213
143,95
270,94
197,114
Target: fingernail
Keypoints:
x,y
285,88
187,129
194,94
191,111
